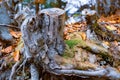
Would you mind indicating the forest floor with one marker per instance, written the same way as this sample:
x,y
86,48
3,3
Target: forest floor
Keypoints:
x,y
85,50
90,50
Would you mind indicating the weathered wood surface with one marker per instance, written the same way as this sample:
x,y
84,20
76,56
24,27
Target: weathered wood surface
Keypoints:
x,y
43,39
44,33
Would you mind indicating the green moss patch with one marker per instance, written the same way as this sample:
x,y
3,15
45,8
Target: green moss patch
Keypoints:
x,y
72,43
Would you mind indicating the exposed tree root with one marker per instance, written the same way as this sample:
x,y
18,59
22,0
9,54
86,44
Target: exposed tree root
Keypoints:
x,y
14,68
22,64
109,73
5,75
34,72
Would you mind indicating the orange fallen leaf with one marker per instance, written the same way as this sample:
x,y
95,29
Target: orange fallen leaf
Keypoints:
x,y
16,55
83,35
65,32
40,1
67,37
70,30
106,42
115,43
15,34
7,50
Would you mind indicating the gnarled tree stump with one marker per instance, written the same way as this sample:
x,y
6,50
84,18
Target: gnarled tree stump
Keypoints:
x,y
43,40
43,37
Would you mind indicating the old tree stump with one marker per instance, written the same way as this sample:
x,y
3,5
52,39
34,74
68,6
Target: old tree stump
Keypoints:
x,y
43,40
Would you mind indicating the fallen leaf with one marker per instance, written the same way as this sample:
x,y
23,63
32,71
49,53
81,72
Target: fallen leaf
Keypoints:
x,y
111,28
16,55
7,50
83,35
115,43
106,42
19,45
67,37
70,30
40,1
15,34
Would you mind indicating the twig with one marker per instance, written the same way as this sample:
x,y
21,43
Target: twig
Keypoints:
x,y
22,64
11,26
14,70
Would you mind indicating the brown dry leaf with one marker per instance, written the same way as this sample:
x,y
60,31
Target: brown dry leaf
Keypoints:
x,y
15,34
67,37
7,50
115,43
70,30
111,28
113,22
65,32
76,25
16,55
19,45
107,43
111,19
40,1
83,35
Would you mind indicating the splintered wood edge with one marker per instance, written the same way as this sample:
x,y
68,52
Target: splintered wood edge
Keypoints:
x,y
53,11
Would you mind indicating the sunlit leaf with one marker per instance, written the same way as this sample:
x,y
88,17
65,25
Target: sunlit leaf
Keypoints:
x,y
83,35
106,42
7,50
16,55
111,28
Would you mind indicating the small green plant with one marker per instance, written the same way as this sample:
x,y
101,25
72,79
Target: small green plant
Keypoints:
x,y
72,43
